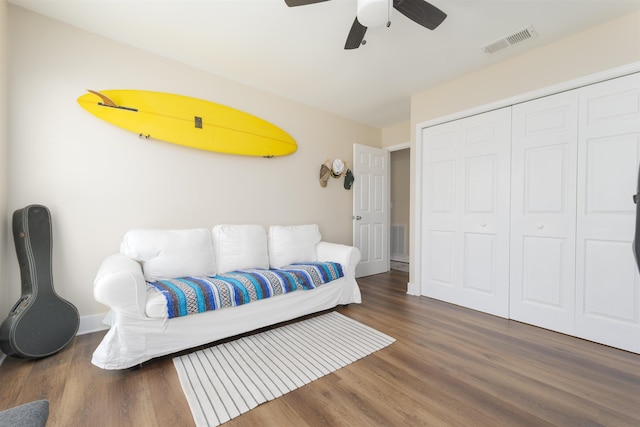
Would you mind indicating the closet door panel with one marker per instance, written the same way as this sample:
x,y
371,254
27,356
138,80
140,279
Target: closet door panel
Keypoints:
x,y
543,272
441,249
442,183
480,186
479,264
466,212
611,166
485,211
544,161
609,264
545,169
608,291
441,258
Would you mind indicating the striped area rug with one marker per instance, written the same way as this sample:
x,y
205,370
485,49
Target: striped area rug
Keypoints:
x,y
230,379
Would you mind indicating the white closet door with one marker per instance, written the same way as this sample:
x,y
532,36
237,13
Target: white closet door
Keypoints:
x,y
466,212
543,207
441,216
608,284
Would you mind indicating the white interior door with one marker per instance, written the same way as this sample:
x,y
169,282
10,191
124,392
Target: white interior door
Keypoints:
x,y
543,208
371,209
608,284
466,212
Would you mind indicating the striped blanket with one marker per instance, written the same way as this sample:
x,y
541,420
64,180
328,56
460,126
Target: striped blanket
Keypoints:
x,y
189,295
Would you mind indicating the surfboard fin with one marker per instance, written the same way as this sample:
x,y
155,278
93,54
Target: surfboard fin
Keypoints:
x,y
105,99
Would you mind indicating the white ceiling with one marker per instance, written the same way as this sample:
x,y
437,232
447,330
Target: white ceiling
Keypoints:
x,y
298,52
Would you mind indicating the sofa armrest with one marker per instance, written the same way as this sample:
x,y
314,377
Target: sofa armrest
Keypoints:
x,y
348,256
120,284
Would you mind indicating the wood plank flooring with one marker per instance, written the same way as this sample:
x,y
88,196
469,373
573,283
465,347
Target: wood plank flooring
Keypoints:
x,y
450,366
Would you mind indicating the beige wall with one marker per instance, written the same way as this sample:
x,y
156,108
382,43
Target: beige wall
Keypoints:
x,y
5,304
397,134
610,45
99,180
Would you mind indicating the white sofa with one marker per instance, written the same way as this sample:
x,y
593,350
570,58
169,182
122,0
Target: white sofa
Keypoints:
x,y
139,325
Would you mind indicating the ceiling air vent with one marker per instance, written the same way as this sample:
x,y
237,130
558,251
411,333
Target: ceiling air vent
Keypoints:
x,y
506,41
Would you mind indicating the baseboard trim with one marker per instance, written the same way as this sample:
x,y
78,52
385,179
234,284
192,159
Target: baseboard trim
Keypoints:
x,y
92,323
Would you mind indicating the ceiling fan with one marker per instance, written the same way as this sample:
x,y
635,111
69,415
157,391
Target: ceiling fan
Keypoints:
x,y
374,13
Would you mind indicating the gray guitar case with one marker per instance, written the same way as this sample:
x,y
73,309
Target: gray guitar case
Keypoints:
x,y
40,323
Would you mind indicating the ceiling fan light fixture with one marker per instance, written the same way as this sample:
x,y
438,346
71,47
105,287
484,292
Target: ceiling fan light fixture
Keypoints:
x,y
374,13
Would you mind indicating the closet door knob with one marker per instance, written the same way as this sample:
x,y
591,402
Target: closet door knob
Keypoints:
x,y
483,224
540,226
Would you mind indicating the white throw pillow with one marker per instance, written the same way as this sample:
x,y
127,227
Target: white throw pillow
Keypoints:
x,y
293,244
239,247
167,254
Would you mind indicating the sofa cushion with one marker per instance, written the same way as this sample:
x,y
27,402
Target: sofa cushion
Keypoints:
x,y
239,247
166,254
293,244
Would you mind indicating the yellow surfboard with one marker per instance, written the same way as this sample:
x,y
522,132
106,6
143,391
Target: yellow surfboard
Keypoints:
x,y
189,121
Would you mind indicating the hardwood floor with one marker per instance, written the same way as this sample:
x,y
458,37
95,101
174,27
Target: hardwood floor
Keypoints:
x,y
450,366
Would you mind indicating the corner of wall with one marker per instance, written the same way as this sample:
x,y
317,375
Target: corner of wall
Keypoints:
x,y
4,245
92,323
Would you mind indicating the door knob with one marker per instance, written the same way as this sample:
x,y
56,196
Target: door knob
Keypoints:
x,y
358,218
539,226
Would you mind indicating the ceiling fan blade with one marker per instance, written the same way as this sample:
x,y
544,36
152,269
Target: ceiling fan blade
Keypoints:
x,y
356,35
421,12
293,3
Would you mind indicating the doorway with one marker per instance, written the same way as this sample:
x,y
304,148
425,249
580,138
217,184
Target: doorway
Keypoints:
x,y
400,196
380,191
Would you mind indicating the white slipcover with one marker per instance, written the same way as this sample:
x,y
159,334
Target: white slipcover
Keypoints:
x,y
292,244
240,246
134,337
165,254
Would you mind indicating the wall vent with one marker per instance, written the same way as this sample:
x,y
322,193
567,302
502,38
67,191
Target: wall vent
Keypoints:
x,y
397,242
515,38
